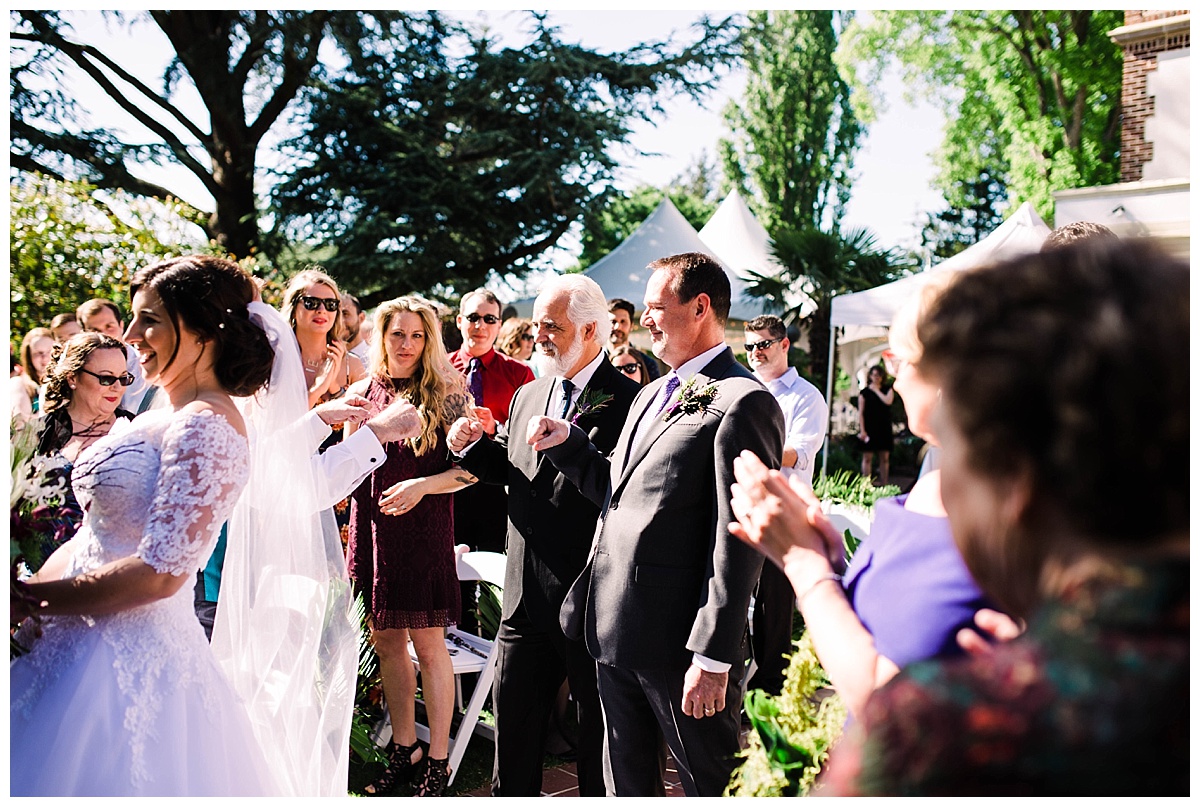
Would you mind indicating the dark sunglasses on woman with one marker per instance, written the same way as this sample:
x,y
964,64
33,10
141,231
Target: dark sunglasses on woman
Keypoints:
x,y
628,369
108,380
313,303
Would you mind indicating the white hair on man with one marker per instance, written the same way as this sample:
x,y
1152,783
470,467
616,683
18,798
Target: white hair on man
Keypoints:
x,y
586,302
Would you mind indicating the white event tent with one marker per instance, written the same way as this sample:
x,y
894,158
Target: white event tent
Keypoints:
x,y
622,272
735,236
865,315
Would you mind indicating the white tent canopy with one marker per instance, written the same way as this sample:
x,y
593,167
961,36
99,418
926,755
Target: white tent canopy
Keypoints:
x,y
737,238
1023,231
622,272
865,315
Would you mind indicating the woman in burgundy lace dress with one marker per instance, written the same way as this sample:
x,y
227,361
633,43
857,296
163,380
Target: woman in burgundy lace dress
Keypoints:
x,y
401,549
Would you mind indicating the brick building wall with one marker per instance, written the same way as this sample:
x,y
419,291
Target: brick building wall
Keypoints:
x,y
1141,57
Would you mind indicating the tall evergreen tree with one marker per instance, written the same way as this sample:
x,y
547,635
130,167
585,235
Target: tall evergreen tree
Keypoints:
x,y
794,133
431,163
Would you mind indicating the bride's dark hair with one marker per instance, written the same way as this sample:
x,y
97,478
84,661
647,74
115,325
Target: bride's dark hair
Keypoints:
x,y
209,295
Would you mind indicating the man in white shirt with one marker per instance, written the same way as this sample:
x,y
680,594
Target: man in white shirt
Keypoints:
x,y
806,416
353,318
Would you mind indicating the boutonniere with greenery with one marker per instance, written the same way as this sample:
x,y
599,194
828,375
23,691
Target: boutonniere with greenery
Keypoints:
x,y
691,400
590,401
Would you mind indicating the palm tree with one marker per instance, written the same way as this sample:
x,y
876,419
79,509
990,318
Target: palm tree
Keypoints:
x,y
822,265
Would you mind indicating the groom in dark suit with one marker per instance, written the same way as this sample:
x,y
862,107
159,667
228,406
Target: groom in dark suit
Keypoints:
x,y
662,602
550,528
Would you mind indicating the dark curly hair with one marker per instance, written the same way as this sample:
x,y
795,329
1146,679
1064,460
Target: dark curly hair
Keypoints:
x,y
209,295
1073,363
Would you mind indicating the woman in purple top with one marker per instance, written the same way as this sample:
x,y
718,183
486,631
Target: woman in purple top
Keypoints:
x,y
907,592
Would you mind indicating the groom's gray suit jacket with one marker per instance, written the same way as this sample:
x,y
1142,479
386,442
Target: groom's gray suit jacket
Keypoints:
x,y
665,578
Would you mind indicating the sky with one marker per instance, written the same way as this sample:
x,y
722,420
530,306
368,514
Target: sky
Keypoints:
x,y
893,164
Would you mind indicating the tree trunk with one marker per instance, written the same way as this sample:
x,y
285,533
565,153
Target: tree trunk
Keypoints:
x,y
818,345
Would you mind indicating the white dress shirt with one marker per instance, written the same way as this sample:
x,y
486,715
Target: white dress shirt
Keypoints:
x,y
805,417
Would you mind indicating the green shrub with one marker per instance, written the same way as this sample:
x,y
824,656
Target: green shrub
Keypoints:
x,y
793,731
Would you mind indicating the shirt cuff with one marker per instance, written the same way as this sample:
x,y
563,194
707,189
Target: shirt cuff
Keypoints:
x,y
465,451
710,665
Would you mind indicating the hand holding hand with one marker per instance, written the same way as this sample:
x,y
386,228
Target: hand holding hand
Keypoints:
x,y
399,421
402,496
703,692
351,409
463,432
543,432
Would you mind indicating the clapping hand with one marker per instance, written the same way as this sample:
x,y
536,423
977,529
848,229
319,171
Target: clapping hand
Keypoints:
x,y
782,520
543,432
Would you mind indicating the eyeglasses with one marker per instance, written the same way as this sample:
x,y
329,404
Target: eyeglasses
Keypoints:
x,y
490,319
526,337
763,345
108,380
628,369
313,303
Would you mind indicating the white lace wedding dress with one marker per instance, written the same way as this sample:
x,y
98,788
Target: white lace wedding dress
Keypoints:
x,y
134,703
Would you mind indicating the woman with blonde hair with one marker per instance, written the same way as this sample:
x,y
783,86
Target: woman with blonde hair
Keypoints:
x,y
401,545
516,339
869,621
24,388
312,304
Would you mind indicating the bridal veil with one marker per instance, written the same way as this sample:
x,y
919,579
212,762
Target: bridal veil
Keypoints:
x,y
284,631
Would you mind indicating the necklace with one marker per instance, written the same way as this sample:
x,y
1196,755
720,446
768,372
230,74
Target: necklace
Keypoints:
x,y
313,364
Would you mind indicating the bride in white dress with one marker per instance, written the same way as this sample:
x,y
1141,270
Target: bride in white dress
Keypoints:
x,y
121,695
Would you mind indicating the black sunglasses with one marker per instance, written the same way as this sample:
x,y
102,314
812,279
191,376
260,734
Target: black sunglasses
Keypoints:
x,y
313,303
108,380
490,319
763,345
628,369
526,337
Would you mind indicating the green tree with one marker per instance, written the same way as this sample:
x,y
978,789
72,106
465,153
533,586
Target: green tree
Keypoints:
x,y
620,214
247,67
69,243
1032,98
794,134
433,162
823,264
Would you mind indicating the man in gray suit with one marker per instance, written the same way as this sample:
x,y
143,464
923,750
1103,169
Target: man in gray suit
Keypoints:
x,y
662,601
550,526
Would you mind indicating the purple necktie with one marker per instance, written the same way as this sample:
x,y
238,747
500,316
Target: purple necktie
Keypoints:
x,y
672,385
475,380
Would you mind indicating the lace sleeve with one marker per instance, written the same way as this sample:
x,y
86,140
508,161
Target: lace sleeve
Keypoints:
x,y
203,468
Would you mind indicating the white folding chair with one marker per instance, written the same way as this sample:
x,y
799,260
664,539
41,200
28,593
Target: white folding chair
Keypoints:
x,y
470,654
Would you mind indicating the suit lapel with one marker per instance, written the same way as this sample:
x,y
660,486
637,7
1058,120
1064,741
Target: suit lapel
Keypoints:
x,y
539,401
711,372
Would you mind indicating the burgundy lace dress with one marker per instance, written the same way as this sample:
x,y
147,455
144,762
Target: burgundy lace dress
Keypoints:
x,y
404,565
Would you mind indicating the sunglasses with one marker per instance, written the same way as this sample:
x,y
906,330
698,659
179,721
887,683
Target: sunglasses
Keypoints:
x,y
313,303
108,380
628,369
763,345
526,337
490,319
